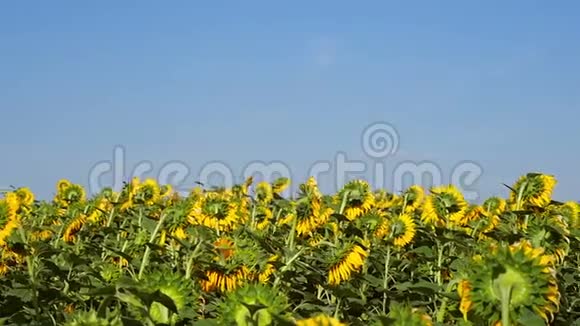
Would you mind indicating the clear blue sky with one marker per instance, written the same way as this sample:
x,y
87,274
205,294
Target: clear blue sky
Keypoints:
x,y
493,82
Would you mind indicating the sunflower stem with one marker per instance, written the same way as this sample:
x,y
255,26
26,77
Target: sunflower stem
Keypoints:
x,y
505,305
337,309
145,260
386,279
292,233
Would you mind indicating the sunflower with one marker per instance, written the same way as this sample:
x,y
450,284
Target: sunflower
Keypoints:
x,y
9,218
400,229
224,247
69,193
309,209
280,184
532,189
25,196
445,206
357,198
349,262
311,215
413,198
225,281
264,193
464,292
253,304
513,279
148,193
73,227
269,269
263,215
320,320
384,200
174,286
216,210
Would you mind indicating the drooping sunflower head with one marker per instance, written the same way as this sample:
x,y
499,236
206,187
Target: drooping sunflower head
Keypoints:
x,y
356,197
264,192
532,189
256,302
519,275
347,261
413,198
570,212
310,189
445,206
147,193
549,230
263,216
385,200
310,210
280,185
25,196
494,205
68,193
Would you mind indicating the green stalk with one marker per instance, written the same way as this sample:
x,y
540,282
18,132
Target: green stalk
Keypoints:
x,y
292,234
386,278
505,306
336,311
31,275
145,260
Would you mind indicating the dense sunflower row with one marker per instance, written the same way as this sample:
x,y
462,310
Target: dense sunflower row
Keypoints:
x,y
247,256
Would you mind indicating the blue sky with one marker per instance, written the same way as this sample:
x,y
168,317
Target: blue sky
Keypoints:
x,y
491,82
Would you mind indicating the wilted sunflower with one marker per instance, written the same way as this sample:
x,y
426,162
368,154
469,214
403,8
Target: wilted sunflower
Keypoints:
x,y
320,320
445,206
349,261
357,198
216,210
513,278
532,189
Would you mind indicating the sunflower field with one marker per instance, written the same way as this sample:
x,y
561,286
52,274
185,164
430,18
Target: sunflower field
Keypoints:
x,y
248,256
